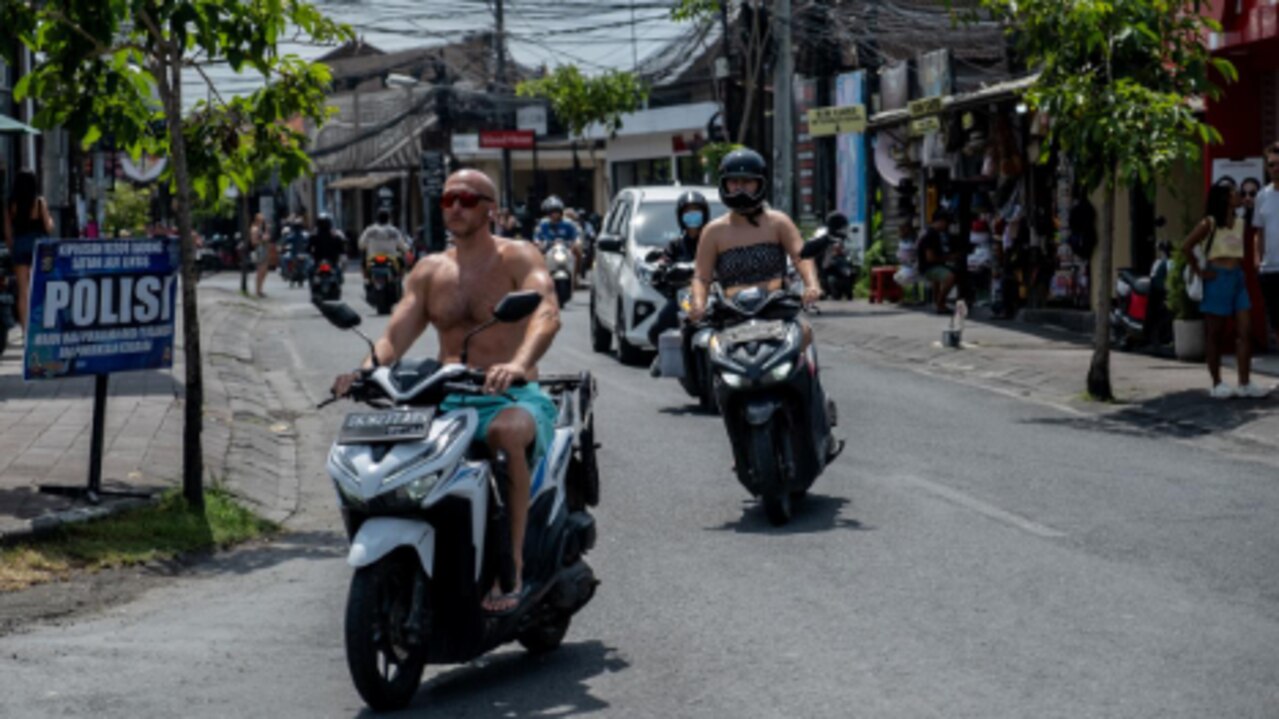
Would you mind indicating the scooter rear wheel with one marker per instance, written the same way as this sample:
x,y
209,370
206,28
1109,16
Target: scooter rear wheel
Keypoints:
x,y
386,671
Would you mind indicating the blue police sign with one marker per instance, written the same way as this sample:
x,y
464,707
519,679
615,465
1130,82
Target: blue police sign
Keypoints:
x,y
101,306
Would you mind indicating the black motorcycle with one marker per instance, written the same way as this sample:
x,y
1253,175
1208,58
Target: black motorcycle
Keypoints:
x,y
295,267
777,416
696,376
326,283
8,297
382,290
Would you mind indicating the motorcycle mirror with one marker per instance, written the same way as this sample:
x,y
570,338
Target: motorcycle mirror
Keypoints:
x,y
339,314
516,306
811,249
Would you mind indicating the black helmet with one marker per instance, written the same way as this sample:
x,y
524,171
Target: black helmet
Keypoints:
x,y
691,198
323,222
743,164
552,204
836,223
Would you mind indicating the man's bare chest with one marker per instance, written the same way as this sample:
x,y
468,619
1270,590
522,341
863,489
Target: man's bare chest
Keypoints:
x,y
465,299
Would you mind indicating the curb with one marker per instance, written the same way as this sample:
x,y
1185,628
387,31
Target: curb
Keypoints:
x,y
238,398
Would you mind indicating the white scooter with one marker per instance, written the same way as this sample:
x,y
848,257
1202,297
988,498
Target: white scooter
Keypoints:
x,y
424,507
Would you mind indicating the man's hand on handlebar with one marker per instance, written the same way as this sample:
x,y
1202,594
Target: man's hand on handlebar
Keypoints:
x,y
342,384
500,377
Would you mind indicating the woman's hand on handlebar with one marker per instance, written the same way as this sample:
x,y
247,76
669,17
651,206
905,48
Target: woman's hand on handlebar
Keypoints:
x,y
812,293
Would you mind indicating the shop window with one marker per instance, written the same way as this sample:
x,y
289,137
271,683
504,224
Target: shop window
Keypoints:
x,y
642,172
690,170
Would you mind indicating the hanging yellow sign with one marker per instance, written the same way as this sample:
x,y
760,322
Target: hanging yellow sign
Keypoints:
x,y
823,121
926,106
924,125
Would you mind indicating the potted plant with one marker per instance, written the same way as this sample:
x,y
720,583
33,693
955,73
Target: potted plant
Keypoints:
x,y
1187,324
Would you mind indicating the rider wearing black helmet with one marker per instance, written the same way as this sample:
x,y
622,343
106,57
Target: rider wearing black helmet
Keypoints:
x,y
692,212
326,244
748,247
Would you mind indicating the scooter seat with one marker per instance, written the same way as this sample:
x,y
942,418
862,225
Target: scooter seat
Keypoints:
x,y
1142,286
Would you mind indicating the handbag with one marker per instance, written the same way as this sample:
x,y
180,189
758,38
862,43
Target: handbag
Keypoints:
x,y
1195,283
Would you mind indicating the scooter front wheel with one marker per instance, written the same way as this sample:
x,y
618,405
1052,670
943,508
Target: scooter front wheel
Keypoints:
x,y
385,666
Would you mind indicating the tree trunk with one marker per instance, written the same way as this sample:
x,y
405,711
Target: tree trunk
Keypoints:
x,y
1099,371
169,81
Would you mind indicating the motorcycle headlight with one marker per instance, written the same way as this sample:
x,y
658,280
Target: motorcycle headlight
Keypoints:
x,y
416,490
781,371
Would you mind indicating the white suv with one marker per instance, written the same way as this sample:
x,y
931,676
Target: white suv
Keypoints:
x,y
623,301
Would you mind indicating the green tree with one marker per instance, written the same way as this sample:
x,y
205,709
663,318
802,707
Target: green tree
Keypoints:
x,y
753,46
580,101
116,68
1118,78
128,209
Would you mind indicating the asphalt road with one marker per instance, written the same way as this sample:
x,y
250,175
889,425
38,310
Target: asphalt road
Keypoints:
x,y
970,555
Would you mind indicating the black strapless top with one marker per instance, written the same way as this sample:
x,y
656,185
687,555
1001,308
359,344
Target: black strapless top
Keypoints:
x,y
750,264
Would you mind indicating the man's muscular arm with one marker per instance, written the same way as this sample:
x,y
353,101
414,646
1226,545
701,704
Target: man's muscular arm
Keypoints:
x,y
530,274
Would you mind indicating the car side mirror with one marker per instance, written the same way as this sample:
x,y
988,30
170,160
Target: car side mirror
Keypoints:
x,y
653,256
609,244
339,314
516,306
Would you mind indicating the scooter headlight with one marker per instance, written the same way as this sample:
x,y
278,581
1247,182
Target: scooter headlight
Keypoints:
x,y
781,371
416,490
732,379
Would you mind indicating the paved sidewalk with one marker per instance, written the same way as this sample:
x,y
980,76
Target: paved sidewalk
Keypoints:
x,y
1153,395
45,430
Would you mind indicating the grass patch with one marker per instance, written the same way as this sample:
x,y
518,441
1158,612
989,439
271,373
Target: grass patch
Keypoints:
x,y
158,532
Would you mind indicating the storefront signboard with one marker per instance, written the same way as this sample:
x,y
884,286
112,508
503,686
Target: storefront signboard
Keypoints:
x,y
826,121
851,196
925,106
924,125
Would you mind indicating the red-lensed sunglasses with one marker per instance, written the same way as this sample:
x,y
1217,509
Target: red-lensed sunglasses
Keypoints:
x,y
467,199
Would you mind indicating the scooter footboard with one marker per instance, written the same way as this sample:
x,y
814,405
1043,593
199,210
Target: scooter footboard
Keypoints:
x,y
379,536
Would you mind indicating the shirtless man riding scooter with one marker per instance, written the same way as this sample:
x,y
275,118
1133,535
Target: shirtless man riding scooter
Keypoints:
x,y
455,291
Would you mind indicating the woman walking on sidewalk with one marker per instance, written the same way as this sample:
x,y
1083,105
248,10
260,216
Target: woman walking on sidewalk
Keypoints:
x,y
26,222
1224,291
260,239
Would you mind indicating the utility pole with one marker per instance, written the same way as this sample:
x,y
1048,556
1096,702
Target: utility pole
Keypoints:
x,y
508,179
783,110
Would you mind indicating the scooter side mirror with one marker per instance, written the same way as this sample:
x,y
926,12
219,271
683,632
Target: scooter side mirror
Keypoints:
x,y
812,248
339,314
516,306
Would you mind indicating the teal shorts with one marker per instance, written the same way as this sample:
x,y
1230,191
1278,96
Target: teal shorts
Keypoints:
x,y
529,398
938,273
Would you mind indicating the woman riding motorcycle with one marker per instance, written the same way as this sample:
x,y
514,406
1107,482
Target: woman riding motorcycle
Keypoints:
x,y
692,212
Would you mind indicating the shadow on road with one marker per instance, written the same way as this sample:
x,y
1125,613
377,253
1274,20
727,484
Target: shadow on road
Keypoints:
x,y
1186,414
815,513
281,549
125,384
518,684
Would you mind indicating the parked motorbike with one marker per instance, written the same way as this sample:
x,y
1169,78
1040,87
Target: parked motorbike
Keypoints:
x,y
839,275
424,507
559,262
778,419
382,289
694,374
326,283
295,268
1138,315
8,297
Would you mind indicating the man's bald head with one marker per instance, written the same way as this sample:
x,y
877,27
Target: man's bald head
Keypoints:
x,y
473,180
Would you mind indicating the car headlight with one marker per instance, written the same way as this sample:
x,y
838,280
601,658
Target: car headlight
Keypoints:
x,y
643,272
781,371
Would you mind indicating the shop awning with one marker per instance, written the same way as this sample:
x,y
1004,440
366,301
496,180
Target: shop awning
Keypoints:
x,y
12,126
365,182
996,92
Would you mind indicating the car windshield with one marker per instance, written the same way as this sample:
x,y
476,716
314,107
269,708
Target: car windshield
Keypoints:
x,y
655,224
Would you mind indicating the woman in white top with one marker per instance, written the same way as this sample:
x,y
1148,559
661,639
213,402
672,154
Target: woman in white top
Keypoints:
x,y
1225,294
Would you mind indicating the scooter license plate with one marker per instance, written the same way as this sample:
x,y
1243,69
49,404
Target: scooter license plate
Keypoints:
x,y
387,426
755,332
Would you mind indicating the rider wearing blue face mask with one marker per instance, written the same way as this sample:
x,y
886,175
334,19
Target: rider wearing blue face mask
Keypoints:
x,y
692,211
